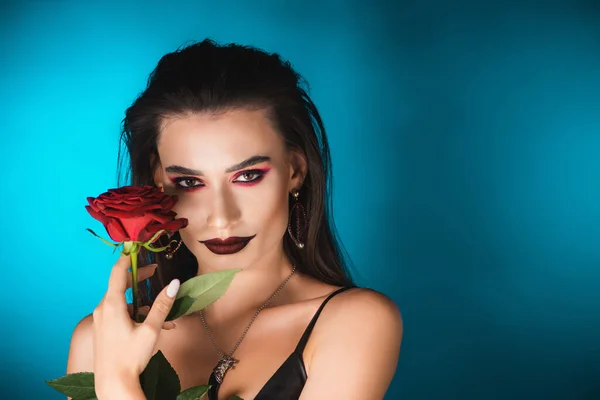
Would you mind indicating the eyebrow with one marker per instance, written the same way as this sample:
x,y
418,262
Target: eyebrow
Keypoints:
x,y
178,169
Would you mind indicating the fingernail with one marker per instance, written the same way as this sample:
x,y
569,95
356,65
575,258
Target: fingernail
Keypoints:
x,y
173,288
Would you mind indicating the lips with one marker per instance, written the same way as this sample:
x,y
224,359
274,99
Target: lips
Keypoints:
x,y
230,245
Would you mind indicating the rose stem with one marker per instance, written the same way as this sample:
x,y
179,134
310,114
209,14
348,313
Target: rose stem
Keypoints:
x,y
134,256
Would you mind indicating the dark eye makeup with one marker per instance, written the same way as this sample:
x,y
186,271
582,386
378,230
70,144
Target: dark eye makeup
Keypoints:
x,y
246,178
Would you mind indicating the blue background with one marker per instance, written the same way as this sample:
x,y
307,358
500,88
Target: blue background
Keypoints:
x,y
465,140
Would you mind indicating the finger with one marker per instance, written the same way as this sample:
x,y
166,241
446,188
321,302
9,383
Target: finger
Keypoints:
x,y
162,305
117,283
144,272
167,326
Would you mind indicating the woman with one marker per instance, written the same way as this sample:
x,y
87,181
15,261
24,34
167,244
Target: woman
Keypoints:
x,y
230,130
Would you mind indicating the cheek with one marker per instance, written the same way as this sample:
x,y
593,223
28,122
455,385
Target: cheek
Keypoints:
x,y
270,213
267,211
190,207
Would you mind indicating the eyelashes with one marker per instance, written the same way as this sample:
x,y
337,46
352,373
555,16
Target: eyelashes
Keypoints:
x,y
187,186
250,177
245,178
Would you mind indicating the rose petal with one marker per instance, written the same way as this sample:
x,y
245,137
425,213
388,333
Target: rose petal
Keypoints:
x,y
122,206
171,226
163,217
147,233
116,231
91,201
169,201
135,212
111,212
99,216
134,226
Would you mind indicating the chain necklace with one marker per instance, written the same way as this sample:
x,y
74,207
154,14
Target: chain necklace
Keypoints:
x,y
227,361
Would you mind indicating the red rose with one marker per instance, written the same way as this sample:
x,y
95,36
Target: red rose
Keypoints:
x,y
135,213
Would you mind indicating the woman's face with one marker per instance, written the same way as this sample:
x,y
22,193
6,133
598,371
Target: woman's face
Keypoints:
x,y
232,175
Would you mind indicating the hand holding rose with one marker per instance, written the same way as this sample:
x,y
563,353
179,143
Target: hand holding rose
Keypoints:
x,y
125,357
144,273
122,347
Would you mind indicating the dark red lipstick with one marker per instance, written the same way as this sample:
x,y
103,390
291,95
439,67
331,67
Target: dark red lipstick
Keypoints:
x,y
227,246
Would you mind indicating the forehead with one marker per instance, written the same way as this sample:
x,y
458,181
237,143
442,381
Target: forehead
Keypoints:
x,y
205,140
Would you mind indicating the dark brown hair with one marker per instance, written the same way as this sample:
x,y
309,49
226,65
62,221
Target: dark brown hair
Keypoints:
x,y
207,77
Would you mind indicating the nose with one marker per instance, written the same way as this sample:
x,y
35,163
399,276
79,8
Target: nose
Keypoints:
x,y
223,212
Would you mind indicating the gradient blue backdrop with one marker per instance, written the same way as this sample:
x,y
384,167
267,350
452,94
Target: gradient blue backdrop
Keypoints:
x,y
465,139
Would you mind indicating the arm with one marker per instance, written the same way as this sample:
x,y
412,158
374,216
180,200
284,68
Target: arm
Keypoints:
x,y
356,345
81,351
81,359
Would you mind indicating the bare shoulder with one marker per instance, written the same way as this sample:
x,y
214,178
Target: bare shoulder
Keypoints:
x,y
81,347
358,307
359,331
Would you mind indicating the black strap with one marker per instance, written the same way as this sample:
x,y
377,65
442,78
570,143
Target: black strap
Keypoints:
x,y
311,325
215,385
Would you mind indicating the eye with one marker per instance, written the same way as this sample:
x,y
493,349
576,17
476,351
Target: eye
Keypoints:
x,y
250,176
187,182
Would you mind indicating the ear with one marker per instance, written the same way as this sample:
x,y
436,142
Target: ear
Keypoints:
x,y
298,169
157,175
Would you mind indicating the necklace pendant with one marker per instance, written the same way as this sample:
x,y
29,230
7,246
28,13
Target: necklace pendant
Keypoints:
x,y
224,365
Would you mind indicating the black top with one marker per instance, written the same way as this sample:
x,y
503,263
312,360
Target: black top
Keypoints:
x,y
288,381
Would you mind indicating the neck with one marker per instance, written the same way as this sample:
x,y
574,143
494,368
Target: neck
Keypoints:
x,y
250,288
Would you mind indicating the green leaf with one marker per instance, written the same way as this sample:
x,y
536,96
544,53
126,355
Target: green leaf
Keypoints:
x,y
79,386
193,393
159,380
101,238
180,307
204,289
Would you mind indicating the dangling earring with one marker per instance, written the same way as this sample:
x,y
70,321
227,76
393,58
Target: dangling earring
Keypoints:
x,y
297,222
168,252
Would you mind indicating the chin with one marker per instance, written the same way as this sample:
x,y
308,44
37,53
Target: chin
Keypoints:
x,y
209,261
